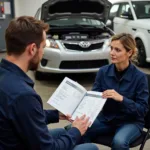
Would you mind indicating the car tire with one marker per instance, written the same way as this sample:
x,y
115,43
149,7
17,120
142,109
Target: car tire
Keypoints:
x,y
141,57
38,75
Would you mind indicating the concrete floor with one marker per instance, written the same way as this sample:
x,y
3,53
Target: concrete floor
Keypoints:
x,y
46,87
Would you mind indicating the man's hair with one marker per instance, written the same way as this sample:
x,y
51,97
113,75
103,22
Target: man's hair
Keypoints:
x,y
23,31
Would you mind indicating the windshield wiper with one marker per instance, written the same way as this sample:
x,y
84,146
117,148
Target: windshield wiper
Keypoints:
x,y
69,26
77,26
54,25
85,26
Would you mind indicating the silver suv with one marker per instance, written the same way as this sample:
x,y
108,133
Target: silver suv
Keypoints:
x,y
78,38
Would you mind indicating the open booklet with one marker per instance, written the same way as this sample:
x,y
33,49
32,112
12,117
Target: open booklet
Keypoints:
x,y
73,99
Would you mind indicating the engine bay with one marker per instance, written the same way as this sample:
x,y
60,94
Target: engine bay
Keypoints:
x,y
79,36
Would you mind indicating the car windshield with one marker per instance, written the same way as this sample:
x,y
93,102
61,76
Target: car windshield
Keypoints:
x,y
142,9
69,22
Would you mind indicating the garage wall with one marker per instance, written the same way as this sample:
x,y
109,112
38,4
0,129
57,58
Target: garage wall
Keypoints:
x,y
27,7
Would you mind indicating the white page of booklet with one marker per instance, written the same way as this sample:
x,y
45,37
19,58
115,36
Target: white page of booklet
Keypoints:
x,y
67,96
91,105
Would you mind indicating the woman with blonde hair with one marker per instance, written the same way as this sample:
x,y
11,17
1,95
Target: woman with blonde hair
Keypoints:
x,y
126,90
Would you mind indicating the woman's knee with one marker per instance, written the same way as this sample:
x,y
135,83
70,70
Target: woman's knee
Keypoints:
x,y
120,143
87,146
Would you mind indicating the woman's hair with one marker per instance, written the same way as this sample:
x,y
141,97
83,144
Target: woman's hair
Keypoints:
x,y
128,42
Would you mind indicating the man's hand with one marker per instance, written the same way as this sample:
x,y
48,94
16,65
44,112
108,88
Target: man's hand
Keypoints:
x,y
81,124
113,94
63,117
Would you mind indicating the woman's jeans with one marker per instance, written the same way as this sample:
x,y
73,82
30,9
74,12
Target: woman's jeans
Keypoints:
x,y
86,146
124,133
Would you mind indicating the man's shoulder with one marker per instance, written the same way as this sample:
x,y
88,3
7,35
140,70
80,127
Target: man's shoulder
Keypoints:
x,y
13,85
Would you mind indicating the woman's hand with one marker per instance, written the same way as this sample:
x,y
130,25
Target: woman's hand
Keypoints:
x,y
113,94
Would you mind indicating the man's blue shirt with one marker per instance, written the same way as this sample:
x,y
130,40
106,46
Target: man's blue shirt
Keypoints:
x,y
133,86
23,122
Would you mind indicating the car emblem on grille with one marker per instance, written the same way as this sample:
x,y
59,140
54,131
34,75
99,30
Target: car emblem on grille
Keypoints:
x,y
84,44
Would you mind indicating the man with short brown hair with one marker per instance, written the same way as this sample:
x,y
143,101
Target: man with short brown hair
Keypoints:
x,y
23,122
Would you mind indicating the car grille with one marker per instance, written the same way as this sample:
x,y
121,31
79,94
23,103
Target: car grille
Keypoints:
x,y
87,64
79,48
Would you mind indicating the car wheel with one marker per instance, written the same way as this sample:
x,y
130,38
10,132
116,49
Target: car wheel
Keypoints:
x,y
141,53
38,75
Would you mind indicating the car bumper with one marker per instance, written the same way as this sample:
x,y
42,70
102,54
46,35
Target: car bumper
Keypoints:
x,y
57,61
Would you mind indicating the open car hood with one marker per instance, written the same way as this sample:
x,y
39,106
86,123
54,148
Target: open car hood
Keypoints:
x,y
98,9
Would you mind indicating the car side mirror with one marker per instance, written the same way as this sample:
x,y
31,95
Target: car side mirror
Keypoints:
x,y
126,15
108,23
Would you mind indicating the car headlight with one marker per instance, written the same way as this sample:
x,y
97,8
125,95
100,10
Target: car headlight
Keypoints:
x,y
106,44
51,44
